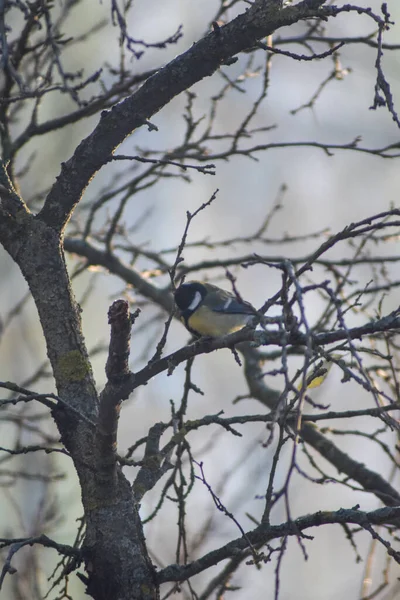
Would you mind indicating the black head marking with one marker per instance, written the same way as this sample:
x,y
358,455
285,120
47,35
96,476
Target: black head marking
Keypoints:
x,y
187,294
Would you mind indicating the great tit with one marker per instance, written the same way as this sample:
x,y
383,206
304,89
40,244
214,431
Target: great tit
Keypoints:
x,y
208,310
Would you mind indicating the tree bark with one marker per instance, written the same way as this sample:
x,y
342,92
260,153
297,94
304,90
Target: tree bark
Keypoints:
x,y
114,550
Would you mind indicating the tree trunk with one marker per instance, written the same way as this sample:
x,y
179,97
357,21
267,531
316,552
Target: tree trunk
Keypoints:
x,y
114,550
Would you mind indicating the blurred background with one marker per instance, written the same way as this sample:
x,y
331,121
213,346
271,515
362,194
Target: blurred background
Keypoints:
x,y
321,193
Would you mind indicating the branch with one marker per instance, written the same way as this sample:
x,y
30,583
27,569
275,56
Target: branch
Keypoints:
x,y
301,39
249,259
118,267
265,533
154,464
43,540
117,370
12,206
291,417
368,479
118,355
206,169
200,61
265,338
27,396
382,85
106,100
305,57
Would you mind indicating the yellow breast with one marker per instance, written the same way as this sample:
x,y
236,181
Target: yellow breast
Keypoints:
x,y
206,322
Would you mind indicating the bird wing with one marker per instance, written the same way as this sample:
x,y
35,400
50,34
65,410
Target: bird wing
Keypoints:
x,y
222,301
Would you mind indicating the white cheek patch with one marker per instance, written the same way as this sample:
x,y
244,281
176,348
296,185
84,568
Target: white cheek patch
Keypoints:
x,y
195,302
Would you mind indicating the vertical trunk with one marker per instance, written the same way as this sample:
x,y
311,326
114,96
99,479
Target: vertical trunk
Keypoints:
x,y
115,553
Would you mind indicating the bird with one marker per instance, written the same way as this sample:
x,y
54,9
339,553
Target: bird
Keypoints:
x,y
207,310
